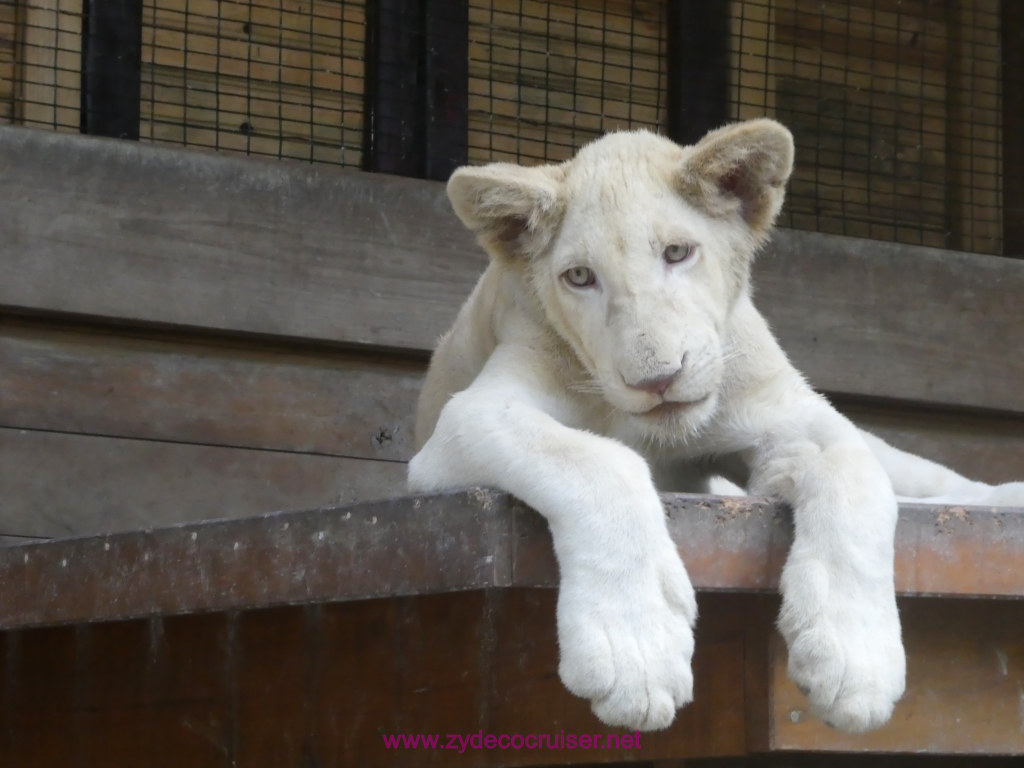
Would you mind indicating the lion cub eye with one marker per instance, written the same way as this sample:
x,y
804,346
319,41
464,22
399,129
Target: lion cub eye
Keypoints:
x,y
675,253
580,277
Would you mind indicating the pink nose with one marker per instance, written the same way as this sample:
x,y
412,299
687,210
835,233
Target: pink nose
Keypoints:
x,y
657,386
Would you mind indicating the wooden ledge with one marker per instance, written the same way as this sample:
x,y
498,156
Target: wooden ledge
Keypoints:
x,y
470,540
288,250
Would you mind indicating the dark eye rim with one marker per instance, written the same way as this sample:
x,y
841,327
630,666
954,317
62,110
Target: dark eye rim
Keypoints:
x,y
677,253
590,281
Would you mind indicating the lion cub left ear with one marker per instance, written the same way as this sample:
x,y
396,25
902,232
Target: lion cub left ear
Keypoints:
x,y
514,210
741,168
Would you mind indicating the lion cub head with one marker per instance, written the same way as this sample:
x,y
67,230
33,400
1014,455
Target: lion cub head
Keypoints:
x,y
637,250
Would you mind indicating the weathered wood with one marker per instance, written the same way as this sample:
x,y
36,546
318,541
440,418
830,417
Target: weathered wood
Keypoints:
x,y
322,685
473,540
242,246
981,445
873,318
334,678
58,484
965,674
326,402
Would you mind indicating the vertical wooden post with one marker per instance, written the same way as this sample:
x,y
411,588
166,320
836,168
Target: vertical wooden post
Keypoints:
x,y
698,67
111,67
417,64
1012,22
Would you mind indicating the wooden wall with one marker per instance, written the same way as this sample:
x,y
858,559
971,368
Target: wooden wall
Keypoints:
x,y
187,336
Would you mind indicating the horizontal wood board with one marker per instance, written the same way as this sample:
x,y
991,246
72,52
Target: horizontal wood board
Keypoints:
x,y
476,539
112,429
275,249
61,484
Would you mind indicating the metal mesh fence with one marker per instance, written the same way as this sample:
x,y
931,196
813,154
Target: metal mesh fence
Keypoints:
x,y
41,63
895,104
895,107
282,78
546,77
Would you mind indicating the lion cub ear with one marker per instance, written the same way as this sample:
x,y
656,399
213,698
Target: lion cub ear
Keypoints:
x,y
514,210
740,168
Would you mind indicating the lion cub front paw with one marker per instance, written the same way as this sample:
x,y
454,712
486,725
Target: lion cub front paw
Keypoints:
x,y
845,647
626,641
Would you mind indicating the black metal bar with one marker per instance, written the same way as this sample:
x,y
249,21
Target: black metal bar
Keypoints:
x,y
417,67
445,84
1012,25
394,109
111,68
698,68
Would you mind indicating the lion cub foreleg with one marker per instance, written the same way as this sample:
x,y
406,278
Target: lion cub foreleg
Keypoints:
x,y
626,607
839,616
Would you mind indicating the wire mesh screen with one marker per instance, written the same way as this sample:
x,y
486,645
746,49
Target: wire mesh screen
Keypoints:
x,y
40,63
546,77
895,104
895,107
282,78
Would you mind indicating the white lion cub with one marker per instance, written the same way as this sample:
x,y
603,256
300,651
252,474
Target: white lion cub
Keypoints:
x,y
612,341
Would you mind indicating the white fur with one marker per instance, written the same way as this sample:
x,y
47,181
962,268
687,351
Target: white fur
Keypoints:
x,y
575,398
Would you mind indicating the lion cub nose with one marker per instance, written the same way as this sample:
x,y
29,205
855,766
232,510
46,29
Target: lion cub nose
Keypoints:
x,y
658,385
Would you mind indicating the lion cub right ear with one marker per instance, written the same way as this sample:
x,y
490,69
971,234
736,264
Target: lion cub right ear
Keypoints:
x,y
513,210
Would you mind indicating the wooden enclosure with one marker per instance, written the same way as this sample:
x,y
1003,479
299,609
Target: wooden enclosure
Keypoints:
x,y
187,337
897,105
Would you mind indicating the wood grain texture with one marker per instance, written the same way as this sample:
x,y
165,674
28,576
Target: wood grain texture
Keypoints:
x,y
59,484
474,540
322,685
981,445
168,237
326,402
333,402
965,673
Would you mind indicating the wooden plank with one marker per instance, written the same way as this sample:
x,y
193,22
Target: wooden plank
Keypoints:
x,y
367,259
471,540
965,673
982,446
323,402
881,319
369,277
64,484
145,693
317,686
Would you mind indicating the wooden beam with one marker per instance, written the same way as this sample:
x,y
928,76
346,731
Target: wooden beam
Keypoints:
x,y
175,238
470,540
